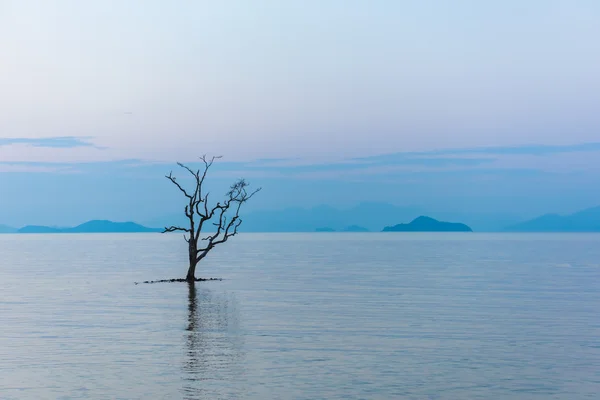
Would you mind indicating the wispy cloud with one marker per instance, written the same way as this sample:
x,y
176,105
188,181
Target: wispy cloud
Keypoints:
x,y
506,161
106,167
532,150
51,142
502,160
29,168
444,159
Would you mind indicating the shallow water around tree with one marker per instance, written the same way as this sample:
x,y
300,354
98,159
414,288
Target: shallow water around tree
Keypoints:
x,y
302,316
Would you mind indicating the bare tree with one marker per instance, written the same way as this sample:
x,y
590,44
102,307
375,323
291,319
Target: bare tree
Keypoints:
x,y
226,214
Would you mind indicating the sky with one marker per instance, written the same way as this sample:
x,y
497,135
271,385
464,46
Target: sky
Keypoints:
x,y
454,106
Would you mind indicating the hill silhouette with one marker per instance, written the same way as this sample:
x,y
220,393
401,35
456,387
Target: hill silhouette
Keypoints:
x,y
326,229
7,229
427,224
100,226
38,229
355,228
582,221
95,226
370,215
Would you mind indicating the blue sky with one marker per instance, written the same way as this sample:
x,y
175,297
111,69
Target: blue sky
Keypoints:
x,y
457,106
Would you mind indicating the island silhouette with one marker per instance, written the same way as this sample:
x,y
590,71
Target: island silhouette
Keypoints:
x,y
587,220
427,224
355,228
351,228
325,229
95,226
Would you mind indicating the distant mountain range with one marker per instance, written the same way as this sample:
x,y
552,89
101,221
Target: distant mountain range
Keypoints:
x,y
361,218
583,221
426,224
96,226
371,216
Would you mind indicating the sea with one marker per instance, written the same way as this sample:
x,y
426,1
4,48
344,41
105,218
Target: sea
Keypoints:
x,y
301,316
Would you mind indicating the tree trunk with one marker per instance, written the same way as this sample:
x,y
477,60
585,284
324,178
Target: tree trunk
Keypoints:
x,y
191,274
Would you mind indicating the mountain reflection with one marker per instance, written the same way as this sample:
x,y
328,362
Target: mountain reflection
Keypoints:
x,y
213,362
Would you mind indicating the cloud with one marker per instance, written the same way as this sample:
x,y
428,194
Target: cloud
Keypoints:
x,y
488,161
443,160
29,168
50,142
424,165
53,151
532,150
94,167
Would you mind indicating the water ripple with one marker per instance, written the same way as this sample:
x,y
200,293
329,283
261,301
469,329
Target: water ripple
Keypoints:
x,y
302,316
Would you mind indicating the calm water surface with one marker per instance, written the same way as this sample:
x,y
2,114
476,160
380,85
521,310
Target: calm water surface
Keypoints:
x,y
302,316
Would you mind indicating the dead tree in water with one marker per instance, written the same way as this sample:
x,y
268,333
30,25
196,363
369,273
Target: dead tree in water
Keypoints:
x,y
224,215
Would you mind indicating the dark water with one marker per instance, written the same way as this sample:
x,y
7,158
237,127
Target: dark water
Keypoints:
x,y
302,316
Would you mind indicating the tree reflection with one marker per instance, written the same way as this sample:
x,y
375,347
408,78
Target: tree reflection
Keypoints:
x,y
214,351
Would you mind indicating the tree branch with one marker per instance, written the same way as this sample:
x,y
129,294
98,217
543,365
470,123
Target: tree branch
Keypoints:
x,y
236,196
174,180
207,165
175,228
196,176
224,213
